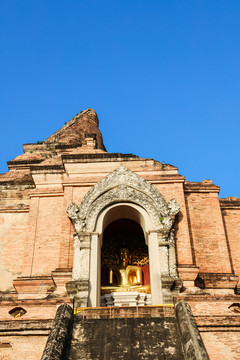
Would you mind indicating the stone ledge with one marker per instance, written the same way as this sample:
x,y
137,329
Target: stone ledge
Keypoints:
x,y
202,297
219,281
98,156
230,203
24,162
21,325
46,302
44,168
34,287
115,312
218,320
9,209
204,186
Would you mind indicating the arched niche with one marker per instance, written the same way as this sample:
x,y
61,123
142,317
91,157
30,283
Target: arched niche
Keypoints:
x,y
121,194
135,212
123,210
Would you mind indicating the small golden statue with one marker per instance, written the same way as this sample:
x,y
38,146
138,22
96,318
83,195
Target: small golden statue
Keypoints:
x,y
124,277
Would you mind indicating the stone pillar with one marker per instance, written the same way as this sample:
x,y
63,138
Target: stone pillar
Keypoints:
x,y
85,248
79,286
154,265
81,256
163,245
164,260
95,271
164,257
172,254
76,258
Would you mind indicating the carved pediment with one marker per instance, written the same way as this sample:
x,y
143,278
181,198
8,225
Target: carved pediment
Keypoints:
x,y
123,185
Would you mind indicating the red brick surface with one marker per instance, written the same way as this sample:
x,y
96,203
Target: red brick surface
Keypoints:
x,y
22,347
222,345
231,218
208,234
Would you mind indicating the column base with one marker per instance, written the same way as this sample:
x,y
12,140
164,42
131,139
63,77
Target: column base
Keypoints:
x,y
188,274
126,298
78,289
171,287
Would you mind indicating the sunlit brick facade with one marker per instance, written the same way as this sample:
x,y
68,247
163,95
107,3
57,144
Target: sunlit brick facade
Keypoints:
x,y
36,238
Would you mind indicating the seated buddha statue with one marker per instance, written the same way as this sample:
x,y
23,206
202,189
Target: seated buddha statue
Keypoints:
x,y
125,277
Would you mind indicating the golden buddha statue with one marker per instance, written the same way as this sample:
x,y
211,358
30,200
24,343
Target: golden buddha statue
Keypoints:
x,y
124,277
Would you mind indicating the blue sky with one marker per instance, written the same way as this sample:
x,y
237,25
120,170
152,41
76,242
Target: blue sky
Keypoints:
x,y
163,76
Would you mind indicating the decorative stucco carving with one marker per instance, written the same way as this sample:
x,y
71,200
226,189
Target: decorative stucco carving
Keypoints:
x,y
76,271
84,241
172,254
74,214
123,185
164,260
173,207
119,194
81,245
76,242
124,176
84,263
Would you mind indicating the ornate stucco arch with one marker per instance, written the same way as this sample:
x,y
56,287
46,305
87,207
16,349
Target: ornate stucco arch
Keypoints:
x,y
122,186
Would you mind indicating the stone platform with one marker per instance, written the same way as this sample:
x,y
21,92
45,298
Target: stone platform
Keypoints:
x,y
126,298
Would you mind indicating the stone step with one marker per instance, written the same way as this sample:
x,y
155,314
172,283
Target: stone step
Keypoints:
x,y
130,333
126,338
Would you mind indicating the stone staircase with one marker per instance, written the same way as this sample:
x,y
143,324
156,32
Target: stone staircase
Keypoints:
x,y
146,333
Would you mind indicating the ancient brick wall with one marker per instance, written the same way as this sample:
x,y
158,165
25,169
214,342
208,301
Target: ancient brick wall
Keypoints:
x,y
25,337
218,323
183,243
207,231
22,347
222,344
47,243
14,230
14,215
231,218
47,235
